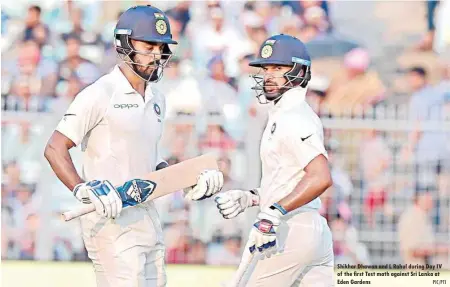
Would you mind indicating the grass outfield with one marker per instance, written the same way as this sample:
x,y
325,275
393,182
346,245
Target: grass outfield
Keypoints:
x,y
58,274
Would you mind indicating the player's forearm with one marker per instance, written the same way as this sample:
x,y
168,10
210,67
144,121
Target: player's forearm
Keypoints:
x,y
62,164
310,187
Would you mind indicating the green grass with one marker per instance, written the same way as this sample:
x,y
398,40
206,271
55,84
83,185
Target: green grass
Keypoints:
x,y
65,274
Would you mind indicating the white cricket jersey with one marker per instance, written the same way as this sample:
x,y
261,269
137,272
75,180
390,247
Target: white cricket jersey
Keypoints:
x,y
292,138
117,128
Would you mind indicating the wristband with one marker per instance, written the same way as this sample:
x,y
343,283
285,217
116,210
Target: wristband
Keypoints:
x,y
279,208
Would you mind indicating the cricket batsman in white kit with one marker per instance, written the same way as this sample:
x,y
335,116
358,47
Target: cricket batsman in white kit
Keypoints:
x,y
118,122
291,240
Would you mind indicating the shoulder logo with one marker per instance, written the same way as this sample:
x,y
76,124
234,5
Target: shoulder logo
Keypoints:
x,y
67,115
305,138
274,127
157,109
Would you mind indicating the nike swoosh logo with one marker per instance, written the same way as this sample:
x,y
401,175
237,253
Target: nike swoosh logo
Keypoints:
x,y
70,115
303,139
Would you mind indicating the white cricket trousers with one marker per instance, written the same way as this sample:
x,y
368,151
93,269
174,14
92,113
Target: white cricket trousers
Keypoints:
x,y
128,251
305,256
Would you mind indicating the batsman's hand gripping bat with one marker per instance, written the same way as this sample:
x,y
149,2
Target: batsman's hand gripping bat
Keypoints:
x,y
168,180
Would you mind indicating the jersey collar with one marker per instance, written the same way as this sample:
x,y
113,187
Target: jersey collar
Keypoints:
x,y
289,99
125,86
121,81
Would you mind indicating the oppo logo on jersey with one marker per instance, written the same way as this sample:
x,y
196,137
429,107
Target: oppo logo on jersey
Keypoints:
x,y
125,106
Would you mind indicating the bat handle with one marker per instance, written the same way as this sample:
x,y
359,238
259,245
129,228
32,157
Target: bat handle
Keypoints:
x,y
78,211
243,266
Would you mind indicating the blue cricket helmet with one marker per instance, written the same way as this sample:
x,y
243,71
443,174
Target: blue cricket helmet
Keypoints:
x,y
143,23
284,50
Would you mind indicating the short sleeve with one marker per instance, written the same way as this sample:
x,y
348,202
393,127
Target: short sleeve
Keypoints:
x,y
84,113
304,142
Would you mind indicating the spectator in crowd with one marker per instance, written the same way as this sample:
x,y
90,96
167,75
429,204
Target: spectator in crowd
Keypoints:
x,y
227,251
418,244
375,160
225,167
34,29
427,149
246,96
197,252
216,138
74,63
7,222
177,238
27,239
291,25
214,38
347,248
85,37
31,65
426,43
254,31
181,14
316,17
24,96
317,92
308,33
216,69
301,8
355,86
5,18
205,219
183,49
335,199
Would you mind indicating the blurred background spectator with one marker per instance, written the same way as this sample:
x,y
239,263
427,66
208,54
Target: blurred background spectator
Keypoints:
x,y
417,240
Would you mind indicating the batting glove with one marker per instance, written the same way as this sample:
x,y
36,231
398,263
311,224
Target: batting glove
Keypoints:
x,y
209,182
102,194
233,202
263,237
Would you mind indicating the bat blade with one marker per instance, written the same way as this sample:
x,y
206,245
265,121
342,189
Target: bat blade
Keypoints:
x,y
242,269
168,180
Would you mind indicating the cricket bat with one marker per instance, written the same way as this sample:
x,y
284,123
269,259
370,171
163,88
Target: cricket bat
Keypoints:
x,y
168,180
247,259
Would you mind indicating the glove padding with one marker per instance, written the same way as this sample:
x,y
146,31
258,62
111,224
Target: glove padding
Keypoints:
x,y
263,237
233,202
209,182
135,191
102,194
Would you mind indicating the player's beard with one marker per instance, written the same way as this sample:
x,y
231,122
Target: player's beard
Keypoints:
x,y
149,72
272,91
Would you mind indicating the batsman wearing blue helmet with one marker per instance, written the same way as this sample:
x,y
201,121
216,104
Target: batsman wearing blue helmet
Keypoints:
x,y
291,240
118,122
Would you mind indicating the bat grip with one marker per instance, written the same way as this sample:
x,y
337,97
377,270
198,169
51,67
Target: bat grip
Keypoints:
x,y
78,211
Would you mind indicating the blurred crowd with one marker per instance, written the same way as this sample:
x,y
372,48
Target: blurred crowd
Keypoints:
x,y
51,52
